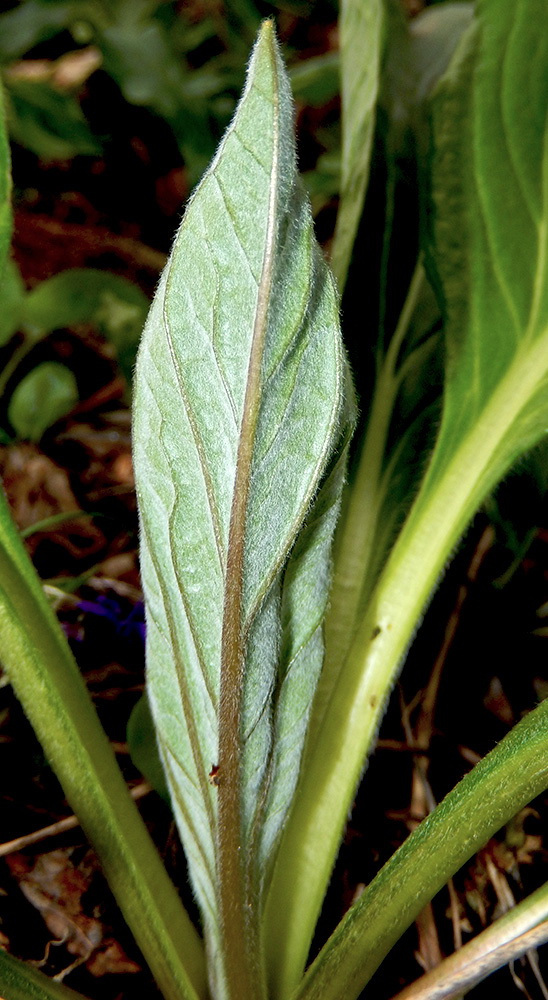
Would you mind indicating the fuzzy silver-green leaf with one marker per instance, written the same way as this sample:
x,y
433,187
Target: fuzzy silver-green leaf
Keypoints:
x,y
240,427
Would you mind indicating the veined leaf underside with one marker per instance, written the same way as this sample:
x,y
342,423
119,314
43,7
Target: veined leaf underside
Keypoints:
x,y
238,414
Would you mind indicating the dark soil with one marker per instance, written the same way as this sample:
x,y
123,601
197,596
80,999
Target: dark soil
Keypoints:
x,y
119,213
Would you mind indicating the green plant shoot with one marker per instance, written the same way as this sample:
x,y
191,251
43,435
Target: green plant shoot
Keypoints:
x,y
282,591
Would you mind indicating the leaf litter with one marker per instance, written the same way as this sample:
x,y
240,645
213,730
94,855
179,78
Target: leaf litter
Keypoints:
x,y
86,466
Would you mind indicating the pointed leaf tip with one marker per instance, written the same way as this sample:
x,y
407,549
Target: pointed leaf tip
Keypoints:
x,y
239,437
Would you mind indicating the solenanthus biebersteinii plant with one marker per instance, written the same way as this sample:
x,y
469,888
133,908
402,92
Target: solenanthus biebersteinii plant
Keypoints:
x,y
270,653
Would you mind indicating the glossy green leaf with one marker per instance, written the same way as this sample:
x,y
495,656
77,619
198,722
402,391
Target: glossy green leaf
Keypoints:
x,y
239,417
361,34
42,397
488,251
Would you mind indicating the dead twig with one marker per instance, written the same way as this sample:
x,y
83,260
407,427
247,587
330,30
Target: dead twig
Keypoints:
x,y
69,823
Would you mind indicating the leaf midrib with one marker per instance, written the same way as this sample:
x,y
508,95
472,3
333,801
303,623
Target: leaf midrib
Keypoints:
x,y
238,942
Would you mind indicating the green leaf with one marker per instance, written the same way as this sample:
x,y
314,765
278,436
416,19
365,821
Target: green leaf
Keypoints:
x,y
47,122
41,398
5,188
521,930
139,54
46,679
361,36
433,37
509,777
81,295
405,404
315,81
111,303
34,21
239,417
141,738
13,295
19,981
488,251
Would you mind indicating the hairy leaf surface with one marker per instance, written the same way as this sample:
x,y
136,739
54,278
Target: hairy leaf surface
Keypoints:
x,y
239,433
488,249
46,679
509,777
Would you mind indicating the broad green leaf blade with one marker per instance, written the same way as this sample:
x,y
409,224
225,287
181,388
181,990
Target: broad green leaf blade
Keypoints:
x,y
48,122
85,295
509,777
47,393
5,188
238,418
19,981
46,679
495,408
489,242
361,34
116,306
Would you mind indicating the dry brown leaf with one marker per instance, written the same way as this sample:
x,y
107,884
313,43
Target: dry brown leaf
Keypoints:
x,y
37,488
56,887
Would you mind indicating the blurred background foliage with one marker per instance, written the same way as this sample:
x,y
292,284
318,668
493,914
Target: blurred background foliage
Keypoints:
x,y
183,62
115,108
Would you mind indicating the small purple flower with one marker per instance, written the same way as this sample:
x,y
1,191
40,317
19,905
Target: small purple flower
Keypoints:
x,y
127,626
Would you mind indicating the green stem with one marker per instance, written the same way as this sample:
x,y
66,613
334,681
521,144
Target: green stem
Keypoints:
x,y
49,685
495,790
453,488
358,528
